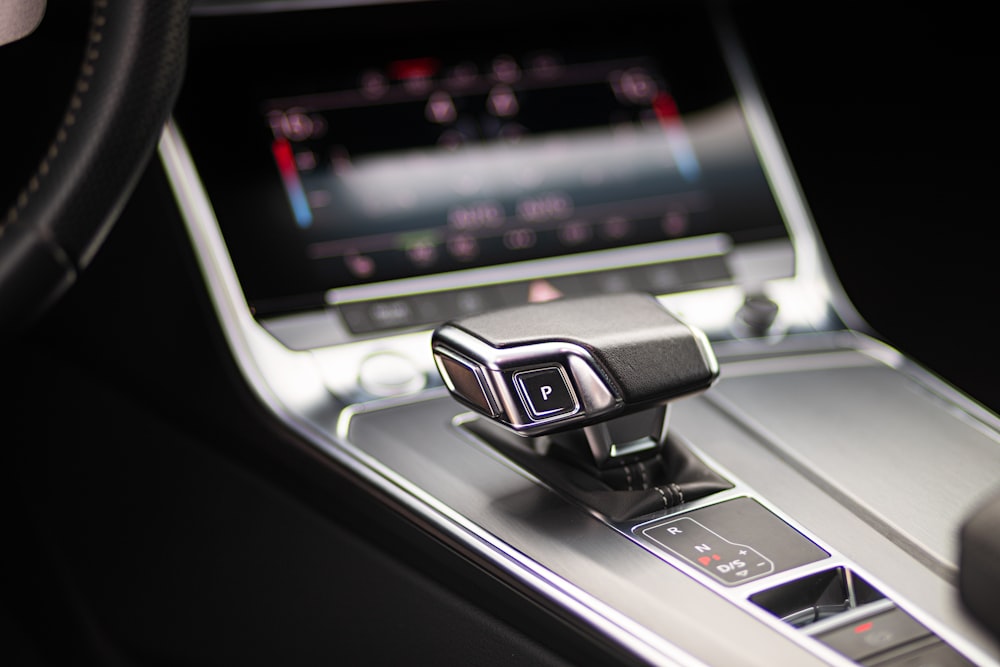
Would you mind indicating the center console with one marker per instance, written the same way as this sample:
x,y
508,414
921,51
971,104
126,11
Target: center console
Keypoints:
x,y
418,230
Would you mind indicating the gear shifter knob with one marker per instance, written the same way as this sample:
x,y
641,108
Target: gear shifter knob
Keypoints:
x,y
551,367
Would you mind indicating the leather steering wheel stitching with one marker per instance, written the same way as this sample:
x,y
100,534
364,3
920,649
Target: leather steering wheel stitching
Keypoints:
x,y
128,78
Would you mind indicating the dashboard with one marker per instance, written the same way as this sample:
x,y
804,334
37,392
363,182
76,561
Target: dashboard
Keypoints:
x,y
349,198
398,188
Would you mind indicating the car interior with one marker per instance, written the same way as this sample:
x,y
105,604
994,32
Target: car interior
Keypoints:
x,y
377,332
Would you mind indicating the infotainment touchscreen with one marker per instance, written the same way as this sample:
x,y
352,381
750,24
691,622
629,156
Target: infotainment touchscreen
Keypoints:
x,y
427,180
435,166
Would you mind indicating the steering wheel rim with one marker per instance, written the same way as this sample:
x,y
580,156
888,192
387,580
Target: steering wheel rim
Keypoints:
x,y
125,87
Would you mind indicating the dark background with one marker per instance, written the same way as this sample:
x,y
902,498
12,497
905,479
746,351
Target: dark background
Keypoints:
x,y
887,112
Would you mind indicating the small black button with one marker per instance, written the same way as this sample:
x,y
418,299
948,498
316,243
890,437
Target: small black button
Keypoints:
x,y
546,393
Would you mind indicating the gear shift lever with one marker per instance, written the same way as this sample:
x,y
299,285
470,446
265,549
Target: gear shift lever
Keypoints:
x,y
602,368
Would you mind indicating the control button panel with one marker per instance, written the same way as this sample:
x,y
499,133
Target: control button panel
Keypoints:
x,y
421,310
733,542
844,611
867,637
546,392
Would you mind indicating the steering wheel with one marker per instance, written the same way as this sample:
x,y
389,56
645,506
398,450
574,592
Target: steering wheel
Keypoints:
x,y
126,83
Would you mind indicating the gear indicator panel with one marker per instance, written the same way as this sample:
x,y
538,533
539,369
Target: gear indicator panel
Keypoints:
x,y
727,561
733,542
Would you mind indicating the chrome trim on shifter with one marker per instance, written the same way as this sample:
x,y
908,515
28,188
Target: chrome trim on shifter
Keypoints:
x,y
595,397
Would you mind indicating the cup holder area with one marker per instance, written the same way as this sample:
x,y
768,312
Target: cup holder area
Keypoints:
x,y
817,597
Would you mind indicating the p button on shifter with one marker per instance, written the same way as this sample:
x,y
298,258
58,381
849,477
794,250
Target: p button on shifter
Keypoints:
x,y
557,367
546,392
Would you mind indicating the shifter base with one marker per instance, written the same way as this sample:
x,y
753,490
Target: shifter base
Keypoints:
x,y
617,442
674,475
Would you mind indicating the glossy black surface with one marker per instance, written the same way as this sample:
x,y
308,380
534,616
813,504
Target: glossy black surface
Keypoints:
x,y
887,114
